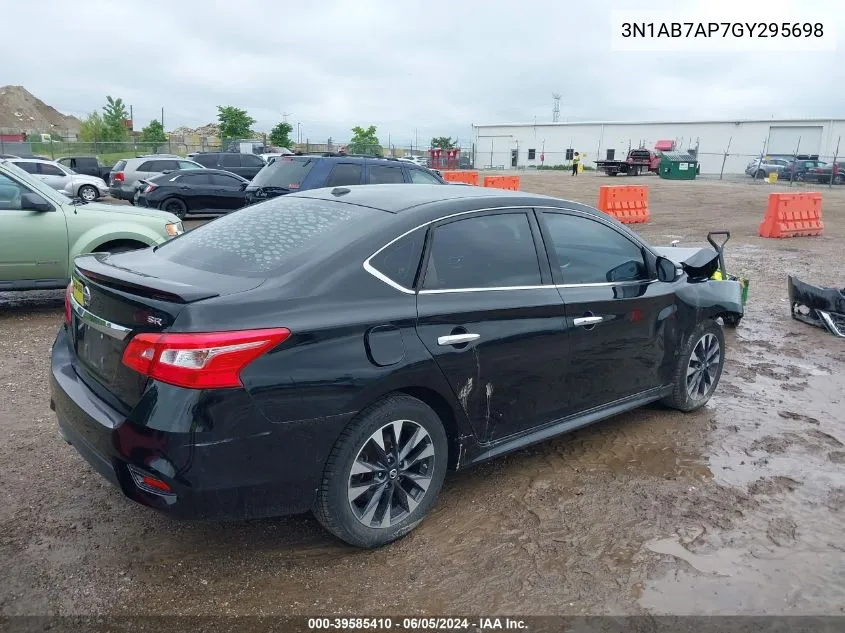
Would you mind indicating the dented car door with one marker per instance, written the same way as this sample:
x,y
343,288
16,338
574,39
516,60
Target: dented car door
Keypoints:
x,y
489,315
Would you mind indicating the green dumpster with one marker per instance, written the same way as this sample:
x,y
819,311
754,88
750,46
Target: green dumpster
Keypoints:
x,y
678,166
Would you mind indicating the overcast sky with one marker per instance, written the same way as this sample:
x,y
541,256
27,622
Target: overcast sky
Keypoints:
x,y
434,67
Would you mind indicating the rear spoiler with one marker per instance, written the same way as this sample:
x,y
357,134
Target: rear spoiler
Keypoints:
x,y
97,267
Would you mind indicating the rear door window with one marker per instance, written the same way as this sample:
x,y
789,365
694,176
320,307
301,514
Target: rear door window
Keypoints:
x,y
208,160
491,251
230,160
384,174
266,237
196,179
286,172
151,166
344,174
30,168
223,180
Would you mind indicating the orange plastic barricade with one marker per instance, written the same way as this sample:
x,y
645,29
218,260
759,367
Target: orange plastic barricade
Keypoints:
x,y
792,215
464,176
511,183
628,204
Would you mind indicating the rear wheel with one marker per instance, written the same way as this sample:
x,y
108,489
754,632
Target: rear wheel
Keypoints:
x,y
839,179
88,193
760,174
384,473
699,368
175,206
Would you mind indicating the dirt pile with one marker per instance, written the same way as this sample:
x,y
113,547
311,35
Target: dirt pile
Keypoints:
x,y
212,129
21,110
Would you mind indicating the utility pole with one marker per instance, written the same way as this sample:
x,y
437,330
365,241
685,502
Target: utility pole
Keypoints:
x,y
162,118
285,116
556,108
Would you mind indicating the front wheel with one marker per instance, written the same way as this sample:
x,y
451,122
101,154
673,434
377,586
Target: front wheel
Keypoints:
x,y
384,473
699,367
760,175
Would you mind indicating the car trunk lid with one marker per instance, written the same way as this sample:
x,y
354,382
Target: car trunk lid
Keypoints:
x,y
115,297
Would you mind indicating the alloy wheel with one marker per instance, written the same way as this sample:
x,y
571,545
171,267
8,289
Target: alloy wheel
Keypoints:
x,y
391,474
88,194
703,366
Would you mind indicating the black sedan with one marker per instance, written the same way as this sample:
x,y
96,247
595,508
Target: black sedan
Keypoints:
x,y
338,350
186,191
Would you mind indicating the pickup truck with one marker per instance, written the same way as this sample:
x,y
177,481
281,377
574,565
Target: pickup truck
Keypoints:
x,y
42,231
89,165
637,161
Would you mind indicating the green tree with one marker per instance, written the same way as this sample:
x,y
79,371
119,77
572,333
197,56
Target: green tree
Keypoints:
x,y
444,142
93,129
154,134
234,122
114,115
364,141
280,135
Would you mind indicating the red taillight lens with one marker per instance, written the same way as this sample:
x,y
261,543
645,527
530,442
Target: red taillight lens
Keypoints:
x,y
118,177
200,361
68,292
150,188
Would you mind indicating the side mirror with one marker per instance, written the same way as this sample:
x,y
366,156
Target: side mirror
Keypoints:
x,y
34,202
666,270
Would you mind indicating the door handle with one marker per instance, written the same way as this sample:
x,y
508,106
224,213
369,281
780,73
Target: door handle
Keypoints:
x,y
587,320
457,339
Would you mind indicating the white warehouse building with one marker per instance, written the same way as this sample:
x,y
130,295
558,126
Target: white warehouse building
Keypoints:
x,y
525,145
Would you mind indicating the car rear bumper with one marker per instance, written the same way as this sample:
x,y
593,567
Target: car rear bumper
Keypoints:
x,y
120,193
270,473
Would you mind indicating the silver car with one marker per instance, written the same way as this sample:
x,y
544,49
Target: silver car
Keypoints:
x,y
124,176
761,169
60,178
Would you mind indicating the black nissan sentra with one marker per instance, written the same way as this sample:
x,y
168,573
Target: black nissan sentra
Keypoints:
x,y
338,350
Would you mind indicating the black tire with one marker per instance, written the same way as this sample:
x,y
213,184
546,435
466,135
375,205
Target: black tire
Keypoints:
x,y
760,174
839,179
732,320
88,193
175,206
333,507
680,397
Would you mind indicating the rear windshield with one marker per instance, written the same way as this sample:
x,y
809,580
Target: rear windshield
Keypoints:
x,y
286,172
263,238
119,165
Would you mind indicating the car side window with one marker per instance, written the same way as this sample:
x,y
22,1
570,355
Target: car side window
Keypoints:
x,y
67,162
251,160
30,168
382,175
150,165
195,179
344,174
207,160
490,251
222,180
420,177
10,193
230,160
590,252
400,260
50,170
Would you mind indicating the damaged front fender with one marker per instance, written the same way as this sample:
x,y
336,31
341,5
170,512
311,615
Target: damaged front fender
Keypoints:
x,y
822,307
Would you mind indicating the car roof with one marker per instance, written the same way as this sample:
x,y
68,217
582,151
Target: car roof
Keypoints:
x,y
395,198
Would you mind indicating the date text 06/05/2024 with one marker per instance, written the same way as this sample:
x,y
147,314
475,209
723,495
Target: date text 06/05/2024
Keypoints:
x,y
722,29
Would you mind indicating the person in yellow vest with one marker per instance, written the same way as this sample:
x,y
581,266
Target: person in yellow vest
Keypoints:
x,y
576,160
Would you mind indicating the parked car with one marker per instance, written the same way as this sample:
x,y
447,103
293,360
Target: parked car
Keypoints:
x,y
193,191
2,156
267,156
42,230
124,176
822,174
762,168
299,173
60,178
416,160
244,165
339,349
799,169
88,165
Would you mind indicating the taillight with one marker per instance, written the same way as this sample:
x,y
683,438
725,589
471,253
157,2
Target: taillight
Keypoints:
x,y
205,360
68,292
118,177
150,188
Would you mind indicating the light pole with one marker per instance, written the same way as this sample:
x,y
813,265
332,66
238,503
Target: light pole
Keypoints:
x,y
298,132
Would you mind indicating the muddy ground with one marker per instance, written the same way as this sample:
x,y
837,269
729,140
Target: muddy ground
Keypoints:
x,y
738,508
